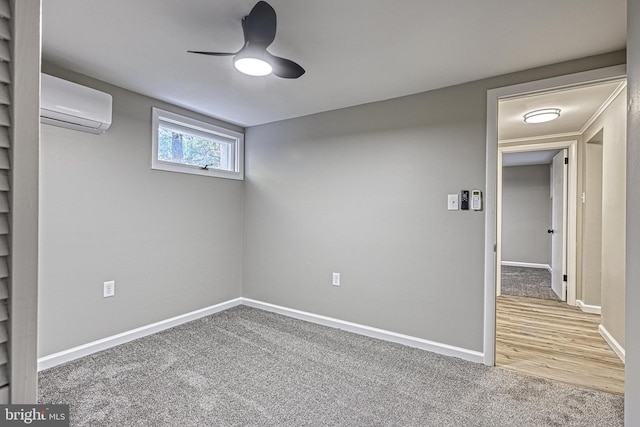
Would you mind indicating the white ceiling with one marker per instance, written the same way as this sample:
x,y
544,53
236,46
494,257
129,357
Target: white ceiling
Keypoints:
x,y
578,106
355,51
527,158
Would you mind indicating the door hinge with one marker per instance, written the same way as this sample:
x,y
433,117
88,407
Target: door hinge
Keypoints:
x,y
566,160
564,278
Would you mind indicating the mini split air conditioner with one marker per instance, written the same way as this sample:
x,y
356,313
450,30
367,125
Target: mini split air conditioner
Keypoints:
x,y
72,106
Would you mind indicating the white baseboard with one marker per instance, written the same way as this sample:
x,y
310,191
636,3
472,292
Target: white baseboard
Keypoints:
x,y
615,345
525,264
593,309
55,359
65,356
434,347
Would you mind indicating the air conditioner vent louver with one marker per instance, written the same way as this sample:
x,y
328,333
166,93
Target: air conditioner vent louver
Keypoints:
x,y
72,106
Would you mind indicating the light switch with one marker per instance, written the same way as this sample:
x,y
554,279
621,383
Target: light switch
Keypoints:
x,y
336,279
453,200
109,288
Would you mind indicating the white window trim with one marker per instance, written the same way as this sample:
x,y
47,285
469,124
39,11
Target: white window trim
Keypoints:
x,y
198,126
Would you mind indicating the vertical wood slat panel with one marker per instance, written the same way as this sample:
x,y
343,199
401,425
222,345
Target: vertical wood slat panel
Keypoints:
x,y
5,53
4,202
5,97
4,181
4,395
4,359
5,73
4,223
4,159
4,137
5,188
4,246
5,10
5,28
4,375
4,268
5,118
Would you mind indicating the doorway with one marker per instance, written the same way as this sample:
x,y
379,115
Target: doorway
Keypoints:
x,y
572,227
532,260
564,230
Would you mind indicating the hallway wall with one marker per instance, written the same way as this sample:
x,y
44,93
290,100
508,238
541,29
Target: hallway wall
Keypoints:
x,y
613,123
526,214
592,226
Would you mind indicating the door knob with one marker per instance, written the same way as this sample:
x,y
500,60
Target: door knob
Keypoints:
x,y
550,231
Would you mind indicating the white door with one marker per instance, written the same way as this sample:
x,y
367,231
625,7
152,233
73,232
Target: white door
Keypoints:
x,y
558,225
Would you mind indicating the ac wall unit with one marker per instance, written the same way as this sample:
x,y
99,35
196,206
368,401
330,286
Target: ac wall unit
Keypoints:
x,y
72,106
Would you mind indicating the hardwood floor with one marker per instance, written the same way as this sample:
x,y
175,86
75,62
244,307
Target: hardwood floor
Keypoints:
x,y
553,340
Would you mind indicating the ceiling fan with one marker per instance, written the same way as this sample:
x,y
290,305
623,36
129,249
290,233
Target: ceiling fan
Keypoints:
x,y
259,28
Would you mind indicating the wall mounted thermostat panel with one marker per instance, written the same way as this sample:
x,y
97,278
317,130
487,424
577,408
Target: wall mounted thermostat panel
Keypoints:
x,y
476,200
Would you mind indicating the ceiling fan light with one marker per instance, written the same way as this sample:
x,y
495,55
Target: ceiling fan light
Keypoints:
x,y
252,66
542,116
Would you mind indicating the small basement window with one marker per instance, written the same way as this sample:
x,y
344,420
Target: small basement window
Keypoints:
x,y
183,144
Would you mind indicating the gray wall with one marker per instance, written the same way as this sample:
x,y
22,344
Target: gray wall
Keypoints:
x,y
612,123
172,242
362,191
592,226
526,214
614,155
632,367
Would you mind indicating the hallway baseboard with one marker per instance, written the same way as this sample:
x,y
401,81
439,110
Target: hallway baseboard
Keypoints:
x,y
593,309
613,343
525,265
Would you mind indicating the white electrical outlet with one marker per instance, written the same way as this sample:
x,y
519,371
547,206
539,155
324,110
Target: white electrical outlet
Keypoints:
x,y
336,279
109,289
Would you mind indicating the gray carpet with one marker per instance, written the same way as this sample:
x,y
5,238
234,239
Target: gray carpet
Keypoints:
x,y
527,282
247,367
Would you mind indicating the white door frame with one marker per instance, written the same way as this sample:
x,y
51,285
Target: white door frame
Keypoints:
x,y
570,214
490,227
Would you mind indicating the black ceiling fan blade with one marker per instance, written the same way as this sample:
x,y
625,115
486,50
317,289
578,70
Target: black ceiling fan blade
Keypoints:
x,y
260,25
259,28
285,68
212,53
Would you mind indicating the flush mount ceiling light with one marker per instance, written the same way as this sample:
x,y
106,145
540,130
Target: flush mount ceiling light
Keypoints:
x,y
252,66
541,116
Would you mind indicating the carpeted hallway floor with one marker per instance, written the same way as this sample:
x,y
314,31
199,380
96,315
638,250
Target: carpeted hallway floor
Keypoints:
x,y
247,367
527,282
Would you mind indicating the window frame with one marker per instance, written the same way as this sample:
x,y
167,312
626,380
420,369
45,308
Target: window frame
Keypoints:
x,y
199,128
